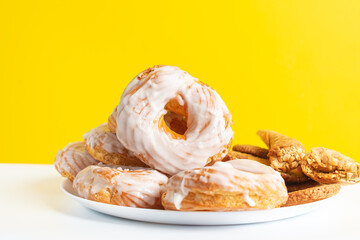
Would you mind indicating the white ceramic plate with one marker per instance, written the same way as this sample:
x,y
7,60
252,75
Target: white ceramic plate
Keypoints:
x,y
192,218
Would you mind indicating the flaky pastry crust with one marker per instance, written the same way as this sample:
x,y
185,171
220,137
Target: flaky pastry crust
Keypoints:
x,y
126,158
225,186
112,120
285,153
293,176
72,159
224,201
103,145
121,185
329,166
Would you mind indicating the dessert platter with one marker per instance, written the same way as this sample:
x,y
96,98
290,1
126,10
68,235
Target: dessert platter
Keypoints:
x,y
165,156
195,217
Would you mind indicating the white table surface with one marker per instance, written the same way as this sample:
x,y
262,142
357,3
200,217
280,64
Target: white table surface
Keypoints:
x,y
32,206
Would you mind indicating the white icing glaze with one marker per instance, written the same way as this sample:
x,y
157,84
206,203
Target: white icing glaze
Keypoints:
x,y
175,197
248,199
135,186
241,176
252,166
223,164
73,158
142,105
180,100
102,137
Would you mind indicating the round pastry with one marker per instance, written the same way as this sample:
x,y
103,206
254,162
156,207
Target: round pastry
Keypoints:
x,y
329,166
141,127
105,147
234,185
121,185
310,191
72,159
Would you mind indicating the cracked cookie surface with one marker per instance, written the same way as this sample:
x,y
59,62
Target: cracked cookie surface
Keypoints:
x,y
310,191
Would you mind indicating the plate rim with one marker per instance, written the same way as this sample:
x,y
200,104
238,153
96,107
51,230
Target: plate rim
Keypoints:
x,y
94,205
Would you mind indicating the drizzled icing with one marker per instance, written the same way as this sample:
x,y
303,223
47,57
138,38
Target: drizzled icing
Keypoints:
x,y
180,100
73,158
130,186
248,199
241,176
142,106
102,137
251,166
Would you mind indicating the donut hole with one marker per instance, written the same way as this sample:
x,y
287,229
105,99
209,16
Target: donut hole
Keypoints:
x,y
176,116
176,122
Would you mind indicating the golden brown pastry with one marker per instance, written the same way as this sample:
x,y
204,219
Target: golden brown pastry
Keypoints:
x,y
121,185
329,166
253,150
141,127
72,159
310,191
103,145
176,122
285,153
174,106
293,176
232,155
292,187
226,186
112,120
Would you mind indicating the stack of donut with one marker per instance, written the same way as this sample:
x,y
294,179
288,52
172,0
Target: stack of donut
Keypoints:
x,y
165,146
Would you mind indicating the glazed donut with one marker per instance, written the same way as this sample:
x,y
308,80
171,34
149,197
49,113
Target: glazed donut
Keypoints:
x,y
141,127
72,159
329,166
234,185
121,185
105,147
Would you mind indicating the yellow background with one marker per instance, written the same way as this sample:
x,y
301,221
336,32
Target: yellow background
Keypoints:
x,y
289,66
